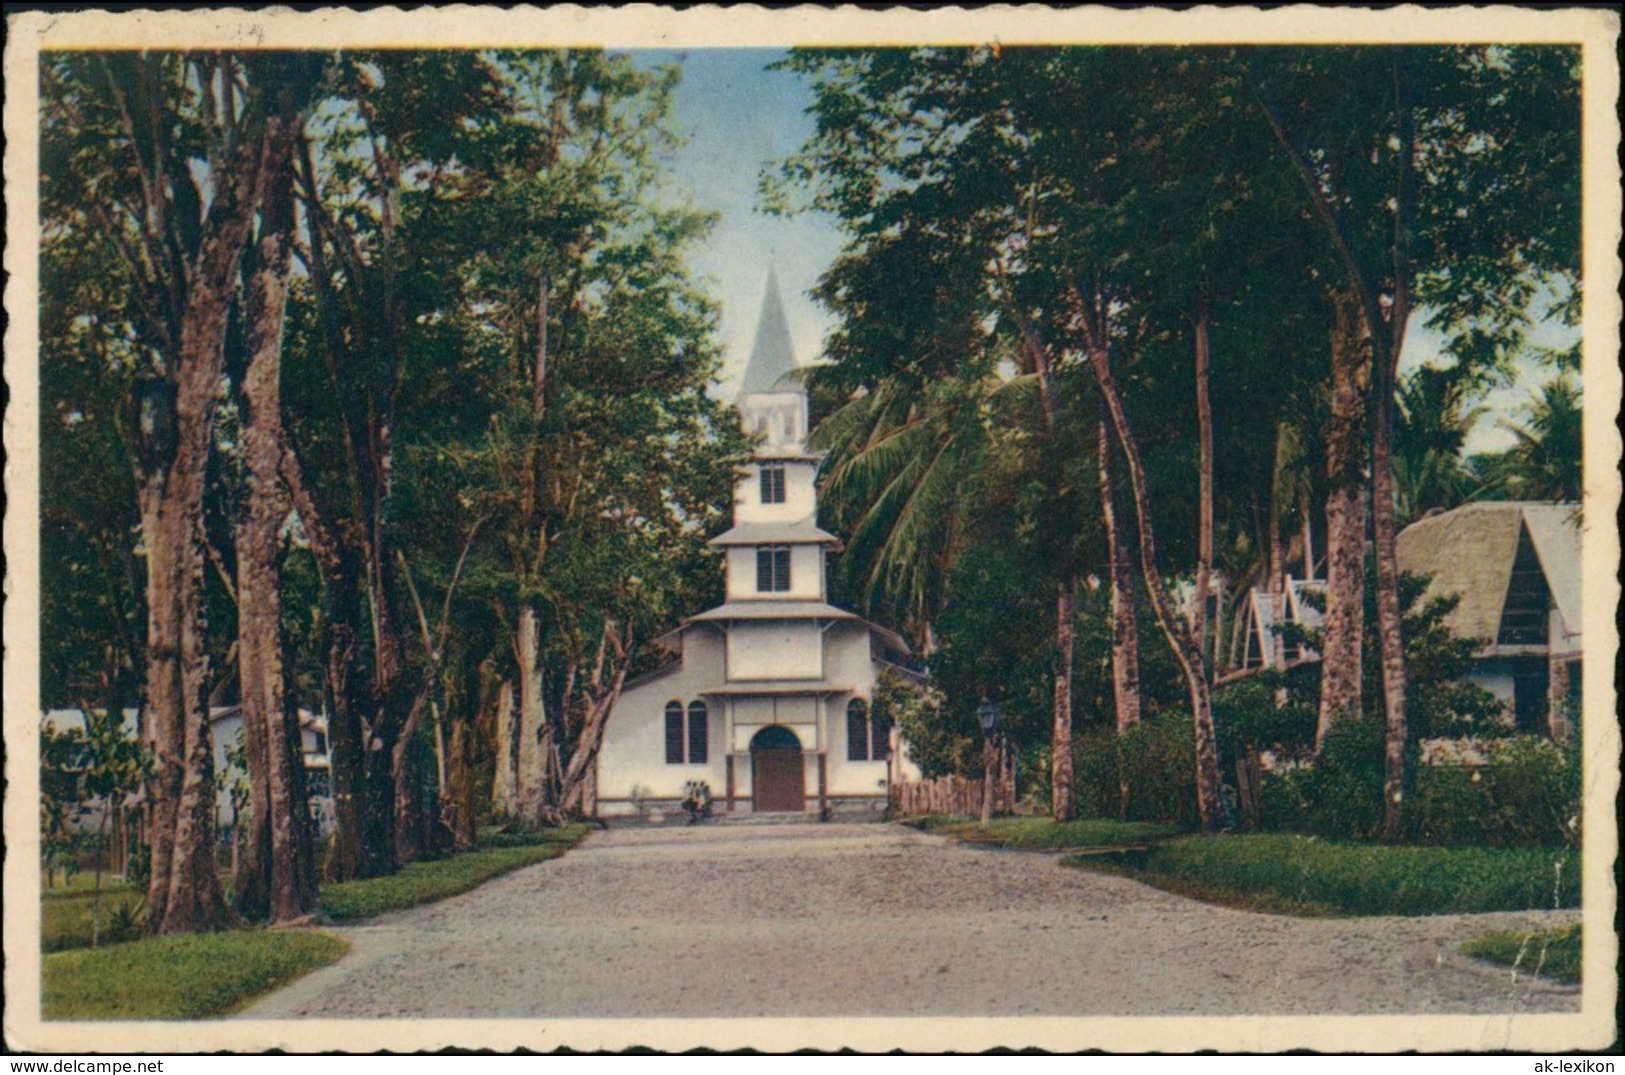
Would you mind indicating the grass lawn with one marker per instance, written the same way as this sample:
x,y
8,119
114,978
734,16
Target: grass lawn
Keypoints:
x,y
202,975
186,977
1042,833
425,882
66,911
1304,875
1554,953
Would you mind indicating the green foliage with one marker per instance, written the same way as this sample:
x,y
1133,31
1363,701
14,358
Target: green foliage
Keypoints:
x,y
1305,875
1247,717
84,772
1341,794
1554,953
1047,834
1544,462
183,977
1527,795
1154,762
425,882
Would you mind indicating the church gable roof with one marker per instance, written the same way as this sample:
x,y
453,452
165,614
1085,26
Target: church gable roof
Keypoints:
x,y
772,362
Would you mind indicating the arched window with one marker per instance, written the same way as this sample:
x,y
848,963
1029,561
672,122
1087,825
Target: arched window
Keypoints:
x,y
699,726
857,730
674,733
687,743
868,735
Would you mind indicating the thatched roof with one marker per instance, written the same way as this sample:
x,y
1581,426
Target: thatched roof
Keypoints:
x,y
1555,531
1469,552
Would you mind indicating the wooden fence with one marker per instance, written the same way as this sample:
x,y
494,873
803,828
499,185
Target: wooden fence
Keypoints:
x,y
948,795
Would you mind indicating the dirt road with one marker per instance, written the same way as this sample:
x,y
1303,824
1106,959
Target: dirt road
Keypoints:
x,y
878,920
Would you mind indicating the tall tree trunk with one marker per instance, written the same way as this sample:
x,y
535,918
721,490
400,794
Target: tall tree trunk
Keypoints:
x,y
1385,362
459,804
1308,537
1204,451
1388,611
1344,620
504,783
531,762
276,878
1062,806
1125,625
345,684
1209,789
412,821
1275,576
184,892
1061,797
365,405
345,681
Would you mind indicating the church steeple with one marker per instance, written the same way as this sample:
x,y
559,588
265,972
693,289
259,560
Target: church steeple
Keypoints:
x,y
772,400
772,358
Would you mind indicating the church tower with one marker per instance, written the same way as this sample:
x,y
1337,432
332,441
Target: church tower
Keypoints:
x,y
767,701
775,549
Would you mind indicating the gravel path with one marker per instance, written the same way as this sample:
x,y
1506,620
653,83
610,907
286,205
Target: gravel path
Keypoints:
x,y
879,920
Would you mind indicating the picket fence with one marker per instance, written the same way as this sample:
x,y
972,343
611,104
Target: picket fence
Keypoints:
x,y
956,795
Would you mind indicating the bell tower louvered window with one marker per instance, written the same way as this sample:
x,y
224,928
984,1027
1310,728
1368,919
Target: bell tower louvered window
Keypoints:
x,y
773,569
772,483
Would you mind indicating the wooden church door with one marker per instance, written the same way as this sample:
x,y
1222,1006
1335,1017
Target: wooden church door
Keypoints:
x,y
778,776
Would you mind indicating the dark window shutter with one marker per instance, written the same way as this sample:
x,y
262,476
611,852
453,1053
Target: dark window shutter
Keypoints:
x,y
781,569
674,733
699,726
857,731
764,570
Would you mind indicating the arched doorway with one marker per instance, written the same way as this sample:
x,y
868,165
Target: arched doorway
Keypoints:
x,y
778,778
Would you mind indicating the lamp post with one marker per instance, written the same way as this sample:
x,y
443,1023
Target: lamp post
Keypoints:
x,y
987,714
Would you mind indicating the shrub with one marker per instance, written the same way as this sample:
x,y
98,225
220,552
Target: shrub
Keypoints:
x,y
1341,794
1246,717
1147,773
1527,795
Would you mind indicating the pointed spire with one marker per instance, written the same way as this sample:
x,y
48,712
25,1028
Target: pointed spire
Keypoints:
x,y
771,357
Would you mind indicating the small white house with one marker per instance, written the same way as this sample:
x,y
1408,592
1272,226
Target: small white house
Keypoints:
x,y
767,697
225,727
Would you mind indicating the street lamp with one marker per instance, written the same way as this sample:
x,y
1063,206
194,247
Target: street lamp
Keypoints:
x,y
987,715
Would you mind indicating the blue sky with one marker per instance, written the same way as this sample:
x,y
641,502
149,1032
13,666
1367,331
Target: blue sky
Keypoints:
x,y
739,118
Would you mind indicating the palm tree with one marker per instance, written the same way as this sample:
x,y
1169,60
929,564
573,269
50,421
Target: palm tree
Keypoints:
x,y
1430,470
905,461
1544,462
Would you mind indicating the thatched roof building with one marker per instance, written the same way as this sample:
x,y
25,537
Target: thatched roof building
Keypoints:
x,y
1512,564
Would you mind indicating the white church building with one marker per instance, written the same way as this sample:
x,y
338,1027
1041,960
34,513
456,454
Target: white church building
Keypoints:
x,y
767,697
